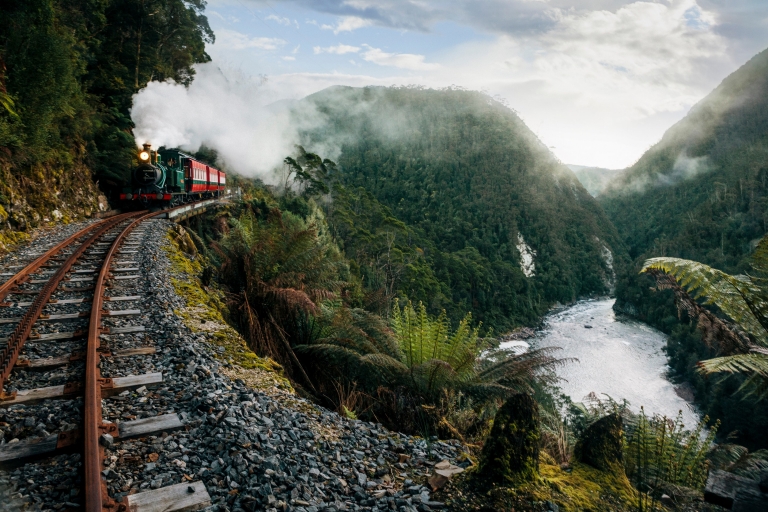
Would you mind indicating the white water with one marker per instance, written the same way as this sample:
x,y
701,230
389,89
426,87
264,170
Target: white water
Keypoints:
x,y
621,358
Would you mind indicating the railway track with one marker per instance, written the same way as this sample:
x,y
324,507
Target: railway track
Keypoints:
x,y
54,317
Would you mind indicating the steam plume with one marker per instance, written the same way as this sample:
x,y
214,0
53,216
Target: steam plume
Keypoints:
x,y
231,113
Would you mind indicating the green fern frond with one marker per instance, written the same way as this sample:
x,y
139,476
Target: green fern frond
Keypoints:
x,y
752,363
741,300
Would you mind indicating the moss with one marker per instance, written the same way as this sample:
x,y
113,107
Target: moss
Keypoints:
x,y
42,196
601,444
204,312
587,488
511,452
580,488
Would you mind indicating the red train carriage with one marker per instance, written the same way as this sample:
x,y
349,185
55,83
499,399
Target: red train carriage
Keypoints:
x,y
196,176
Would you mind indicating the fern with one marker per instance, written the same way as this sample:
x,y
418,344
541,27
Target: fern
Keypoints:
x,y
742,299
277,270
660,456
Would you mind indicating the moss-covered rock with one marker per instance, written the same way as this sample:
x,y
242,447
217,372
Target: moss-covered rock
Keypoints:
x,y
40,196
601,443
511,452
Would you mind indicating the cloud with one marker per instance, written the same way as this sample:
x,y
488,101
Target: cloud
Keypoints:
x,y
600,86
347,24
340,49
288,57
233,40
744,18
279,19
600,80
398,60
684,168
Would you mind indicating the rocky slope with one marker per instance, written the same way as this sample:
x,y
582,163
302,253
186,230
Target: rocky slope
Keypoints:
x,y
247,436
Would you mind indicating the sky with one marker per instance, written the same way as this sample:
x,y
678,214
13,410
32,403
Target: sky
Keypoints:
x,y
599,81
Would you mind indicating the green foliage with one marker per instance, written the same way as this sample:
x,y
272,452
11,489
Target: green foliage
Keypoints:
x,y
743,299
440,185
276,268
433,354
308,173
69,69
660,454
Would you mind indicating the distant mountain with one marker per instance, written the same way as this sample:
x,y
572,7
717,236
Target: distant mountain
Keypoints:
x,y
594,179
702,191
491,222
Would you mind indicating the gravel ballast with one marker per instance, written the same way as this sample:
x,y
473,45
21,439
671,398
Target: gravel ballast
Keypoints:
x,y
254,448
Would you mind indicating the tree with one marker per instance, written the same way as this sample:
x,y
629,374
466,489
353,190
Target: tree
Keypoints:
x,y
308,173
741,338
276,269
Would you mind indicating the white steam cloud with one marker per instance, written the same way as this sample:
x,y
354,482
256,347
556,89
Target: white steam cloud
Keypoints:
x,y
231,113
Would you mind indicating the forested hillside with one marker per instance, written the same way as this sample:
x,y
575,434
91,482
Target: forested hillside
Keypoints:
x,y
68,71
447,192
701,193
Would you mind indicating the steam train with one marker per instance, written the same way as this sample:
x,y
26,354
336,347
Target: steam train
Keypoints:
x,y
169,177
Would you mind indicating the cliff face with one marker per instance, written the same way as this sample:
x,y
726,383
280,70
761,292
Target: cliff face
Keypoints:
x,y
43,196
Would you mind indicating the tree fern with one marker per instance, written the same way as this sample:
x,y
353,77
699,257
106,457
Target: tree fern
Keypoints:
x,y
276,269
743,340
737,296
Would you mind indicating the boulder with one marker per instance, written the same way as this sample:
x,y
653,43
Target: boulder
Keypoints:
x,y
511,452
600,445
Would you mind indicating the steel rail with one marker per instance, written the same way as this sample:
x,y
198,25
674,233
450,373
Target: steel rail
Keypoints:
x,y
21,275
97,498
10,353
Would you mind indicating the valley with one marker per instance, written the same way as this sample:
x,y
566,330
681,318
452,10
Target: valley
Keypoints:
x,y
317,275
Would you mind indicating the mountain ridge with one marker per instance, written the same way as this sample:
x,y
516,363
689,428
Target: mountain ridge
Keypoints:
x,y
478,189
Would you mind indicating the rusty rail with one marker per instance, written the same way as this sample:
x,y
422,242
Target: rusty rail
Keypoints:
x,y
97,498
20,277
10,354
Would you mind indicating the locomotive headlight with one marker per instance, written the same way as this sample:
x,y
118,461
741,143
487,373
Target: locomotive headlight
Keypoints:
x,y
144,155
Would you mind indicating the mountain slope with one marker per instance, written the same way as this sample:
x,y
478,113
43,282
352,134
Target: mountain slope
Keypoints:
x,y
702,191
484,202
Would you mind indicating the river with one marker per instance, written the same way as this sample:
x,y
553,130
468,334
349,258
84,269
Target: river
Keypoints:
x,y
618,357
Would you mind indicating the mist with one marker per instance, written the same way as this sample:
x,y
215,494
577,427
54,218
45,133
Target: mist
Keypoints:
x,y
237,115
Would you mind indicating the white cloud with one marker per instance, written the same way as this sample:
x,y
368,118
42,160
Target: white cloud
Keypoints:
x,y
600,86
233,40
227,19
340,49
279,19
347,24
288,57
398,60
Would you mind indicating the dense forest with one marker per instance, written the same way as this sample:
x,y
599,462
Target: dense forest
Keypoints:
x,y
443,193
68,71
701,193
